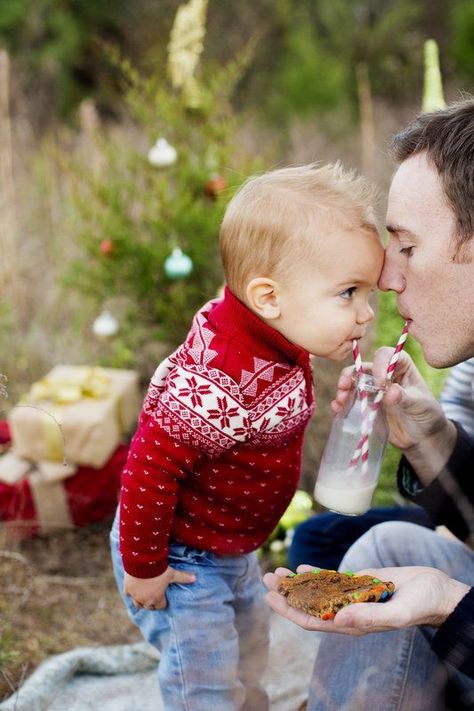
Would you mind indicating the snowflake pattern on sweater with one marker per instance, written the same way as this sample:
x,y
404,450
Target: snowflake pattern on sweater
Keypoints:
x,y
216,457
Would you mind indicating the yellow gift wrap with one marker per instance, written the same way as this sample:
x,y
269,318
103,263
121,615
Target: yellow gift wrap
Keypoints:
x,y
76,413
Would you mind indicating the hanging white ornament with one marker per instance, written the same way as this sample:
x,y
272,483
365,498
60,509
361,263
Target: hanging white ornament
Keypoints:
x,y
178,264
162,154
105,325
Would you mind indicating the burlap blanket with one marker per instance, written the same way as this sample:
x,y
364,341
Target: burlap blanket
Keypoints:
x,y
123,678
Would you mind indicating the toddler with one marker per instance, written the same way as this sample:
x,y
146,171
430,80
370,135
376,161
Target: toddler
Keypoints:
x,y
216,457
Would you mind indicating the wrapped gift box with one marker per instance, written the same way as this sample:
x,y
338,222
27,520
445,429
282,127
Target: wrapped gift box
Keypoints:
x,y
40,498
76,414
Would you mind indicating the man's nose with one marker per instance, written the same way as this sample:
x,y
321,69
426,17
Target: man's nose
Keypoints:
x,y
391,278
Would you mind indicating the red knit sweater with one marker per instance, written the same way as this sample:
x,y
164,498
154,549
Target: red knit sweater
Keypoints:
x,y
216,457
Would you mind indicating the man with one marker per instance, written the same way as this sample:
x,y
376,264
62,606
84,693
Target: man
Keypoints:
x,y
429,263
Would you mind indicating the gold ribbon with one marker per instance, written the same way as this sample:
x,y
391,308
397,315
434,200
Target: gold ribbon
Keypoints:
x,y
76,412
82,381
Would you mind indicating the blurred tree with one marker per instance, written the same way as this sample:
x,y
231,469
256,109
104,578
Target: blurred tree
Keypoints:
x,y
307,75
325,42
307,57
56,45
462,40
133,213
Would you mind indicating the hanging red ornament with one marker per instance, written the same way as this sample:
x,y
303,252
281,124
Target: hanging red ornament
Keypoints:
x,y
214,186
106,246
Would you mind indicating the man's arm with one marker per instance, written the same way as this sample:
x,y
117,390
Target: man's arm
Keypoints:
x,y
437,472
457,398
429,456
454,640
449,497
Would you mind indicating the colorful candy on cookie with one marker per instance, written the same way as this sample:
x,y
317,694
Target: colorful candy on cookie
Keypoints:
x,y
322,593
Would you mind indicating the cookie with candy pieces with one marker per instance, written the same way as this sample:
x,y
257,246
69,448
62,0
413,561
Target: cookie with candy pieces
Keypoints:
x,y
322,593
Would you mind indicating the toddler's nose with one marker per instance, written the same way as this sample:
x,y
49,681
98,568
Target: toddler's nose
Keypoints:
x,y
365,314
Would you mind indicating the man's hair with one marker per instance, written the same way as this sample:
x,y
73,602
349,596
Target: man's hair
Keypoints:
x,y
447,138
276,220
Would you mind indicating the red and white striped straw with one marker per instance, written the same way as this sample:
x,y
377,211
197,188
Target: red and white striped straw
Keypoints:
x,y
396,354
390,368
363,452
362,447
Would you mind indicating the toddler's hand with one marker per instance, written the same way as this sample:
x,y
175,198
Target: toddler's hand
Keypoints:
x,y
149,593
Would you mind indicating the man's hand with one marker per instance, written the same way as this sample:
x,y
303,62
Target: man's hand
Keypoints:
x,y
149,593
423,596
417,423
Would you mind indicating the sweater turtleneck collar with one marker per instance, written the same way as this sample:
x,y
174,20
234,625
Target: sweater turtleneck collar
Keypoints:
x,y
231,316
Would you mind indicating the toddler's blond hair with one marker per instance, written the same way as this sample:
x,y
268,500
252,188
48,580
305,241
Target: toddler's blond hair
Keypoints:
x,y
276,220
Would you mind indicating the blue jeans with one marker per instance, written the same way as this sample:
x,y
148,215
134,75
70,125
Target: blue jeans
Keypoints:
x,y
324,539
212,636
393,671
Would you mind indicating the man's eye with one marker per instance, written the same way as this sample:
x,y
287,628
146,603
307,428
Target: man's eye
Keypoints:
x,y
407,251
347,294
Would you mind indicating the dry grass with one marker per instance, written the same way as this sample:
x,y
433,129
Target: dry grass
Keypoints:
x,y
56,593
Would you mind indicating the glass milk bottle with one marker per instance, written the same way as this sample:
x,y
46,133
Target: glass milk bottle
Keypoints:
x,y
341,486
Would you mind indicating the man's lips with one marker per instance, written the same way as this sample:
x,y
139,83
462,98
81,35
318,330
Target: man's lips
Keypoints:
x,y
403,314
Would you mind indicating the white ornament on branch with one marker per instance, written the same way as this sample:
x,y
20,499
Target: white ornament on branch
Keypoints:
x,y
162,154
105,325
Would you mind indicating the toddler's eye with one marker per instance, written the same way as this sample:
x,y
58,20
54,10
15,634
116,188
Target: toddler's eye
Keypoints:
x,y
347,294
407,251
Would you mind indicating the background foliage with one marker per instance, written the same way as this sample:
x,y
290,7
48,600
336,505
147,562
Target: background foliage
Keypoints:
x,y
293,94
305,60
145,211
87,94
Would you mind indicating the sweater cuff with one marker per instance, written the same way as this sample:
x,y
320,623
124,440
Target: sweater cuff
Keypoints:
x,y
145,570
454,641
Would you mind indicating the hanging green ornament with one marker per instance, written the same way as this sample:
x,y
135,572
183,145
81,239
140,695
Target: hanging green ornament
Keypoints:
x,y
178,265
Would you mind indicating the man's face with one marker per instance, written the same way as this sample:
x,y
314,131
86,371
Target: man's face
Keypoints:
x,y
434,293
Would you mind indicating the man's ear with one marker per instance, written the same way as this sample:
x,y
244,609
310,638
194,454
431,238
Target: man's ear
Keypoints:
x,y
262,297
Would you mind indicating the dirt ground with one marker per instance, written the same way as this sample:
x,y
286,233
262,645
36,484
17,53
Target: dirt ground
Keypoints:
x,y
57,592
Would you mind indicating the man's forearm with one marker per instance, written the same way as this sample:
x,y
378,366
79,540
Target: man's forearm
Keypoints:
x,y
429,457
446,493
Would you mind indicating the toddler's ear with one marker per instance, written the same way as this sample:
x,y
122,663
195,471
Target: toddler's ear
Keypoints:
x,y
262,298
